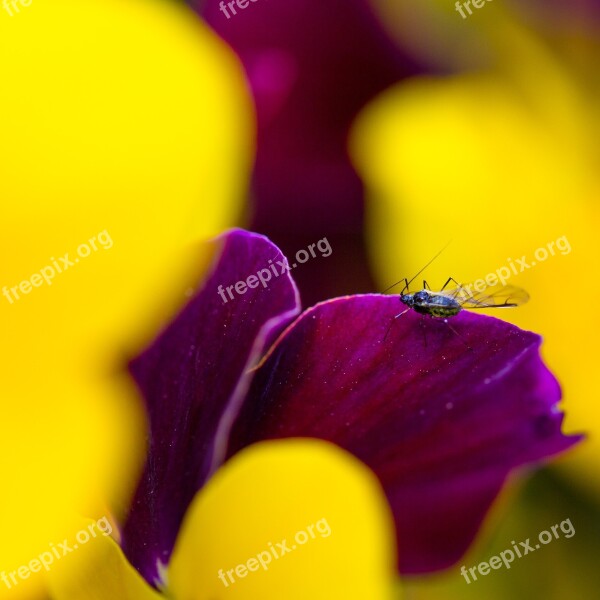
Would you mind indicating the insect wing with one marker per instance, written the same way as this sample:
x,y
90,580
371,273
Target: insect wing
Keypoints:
x,y
497,296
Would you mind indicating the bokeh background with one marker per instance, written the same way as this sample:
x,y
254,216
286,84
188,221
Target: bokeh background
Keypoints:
x,y
390,127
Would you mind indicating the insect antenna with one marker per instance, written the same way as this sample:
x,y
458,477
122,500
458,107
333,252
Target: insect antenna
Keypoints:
x,y
407,283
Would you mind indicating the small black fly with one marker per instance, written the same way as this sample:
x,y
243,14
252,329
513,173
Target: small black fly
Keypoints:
x,y
449,301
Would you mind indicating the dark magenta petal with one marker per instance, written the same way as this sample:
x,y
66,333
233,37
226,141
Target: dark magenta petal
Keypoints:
x,y
440,424
194,379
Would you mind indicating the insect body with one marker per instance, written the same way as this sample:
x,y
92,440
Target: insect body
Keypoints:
x,y
435,305
449,302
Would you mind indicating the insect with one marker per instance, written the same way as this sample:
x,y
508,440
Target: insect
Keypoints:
x,y
448,302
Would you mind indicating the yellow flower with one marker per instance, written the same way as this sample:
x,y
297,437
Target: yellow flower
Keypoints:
x,y
126,137
312,523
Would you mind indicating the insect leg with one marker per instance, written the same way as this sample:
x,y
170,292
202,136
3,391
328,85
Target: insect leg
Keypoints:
x,y
448,281
426,285
459,287
423,330
393,321
460,337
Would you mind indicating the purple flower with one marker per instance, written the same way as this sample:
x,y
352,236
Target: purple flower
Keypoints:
x,y
440,424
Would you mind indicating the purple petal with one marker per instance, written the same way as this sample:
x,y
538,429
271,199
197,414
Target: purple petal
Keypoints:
x,y
440,424
194,379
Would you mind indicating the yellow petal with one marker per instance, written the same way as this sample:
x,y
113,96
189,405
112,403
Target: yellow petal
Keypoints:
x,y
126,136
95,570
325,505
